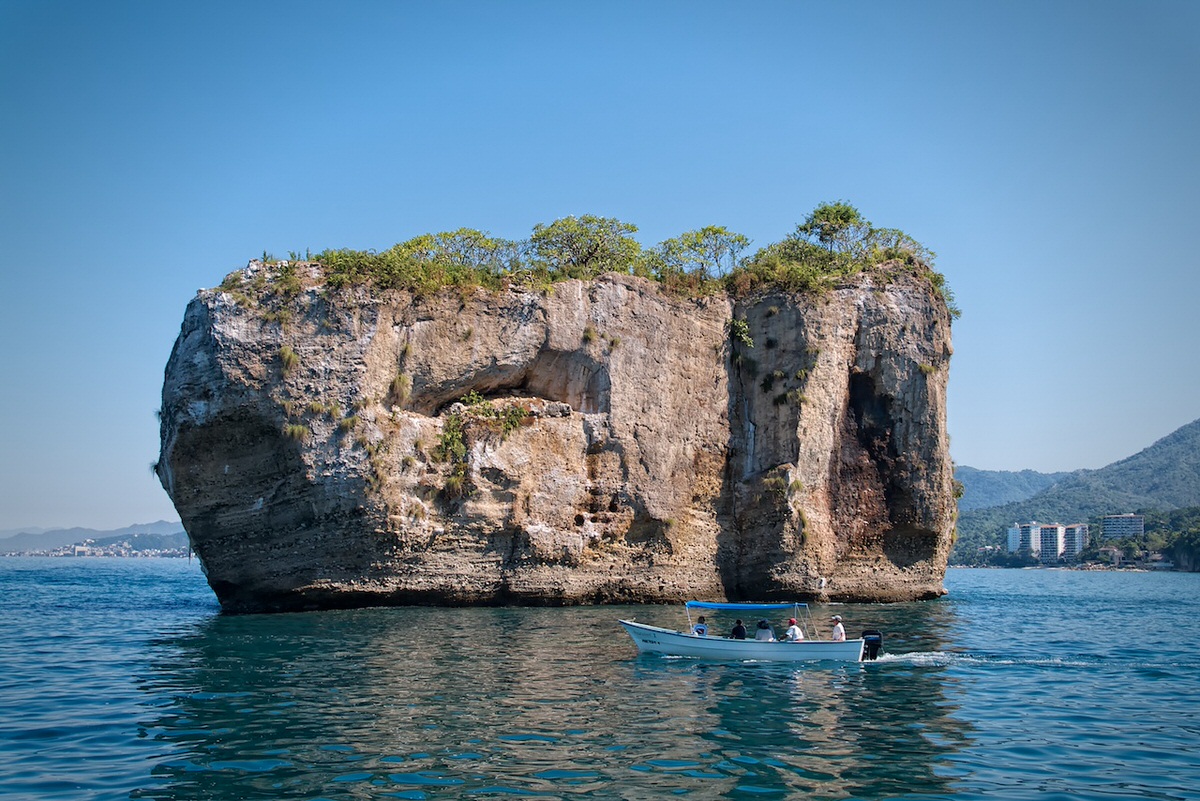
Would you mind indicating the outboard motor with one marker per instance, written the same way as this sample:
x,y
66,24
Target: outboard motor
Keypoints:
x,y
872,644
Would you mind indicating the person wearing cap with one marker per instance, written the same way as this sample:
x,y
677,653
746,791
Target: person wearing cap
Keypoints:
x,y
794,633
839,631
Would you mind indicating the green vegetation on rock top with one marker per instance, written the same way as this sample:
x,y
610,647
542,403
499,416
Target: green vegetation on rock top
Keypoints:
x,y
833,242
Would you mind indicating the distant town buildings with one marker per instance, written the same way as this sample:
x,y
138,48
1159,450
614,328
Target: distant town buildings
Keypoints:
x,y
120,548
1049,542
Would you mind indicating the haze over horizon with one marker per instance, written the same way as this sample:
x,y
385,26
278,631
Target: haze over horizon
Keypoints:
x,y
1044,150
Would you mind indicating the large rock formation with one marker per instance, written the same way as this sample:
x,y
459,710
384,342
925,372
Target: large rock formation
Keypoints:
x,y
616,444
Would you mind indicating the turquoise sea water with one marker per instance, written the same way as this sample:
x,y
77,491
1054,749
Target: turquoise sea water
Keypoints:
x,y
119,679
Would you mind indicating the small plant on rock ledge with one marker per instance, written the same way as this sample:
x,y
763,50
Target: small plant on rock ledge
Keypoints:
x,y
739,331
775,484
456,485
451,446
295,431
401,389
288,359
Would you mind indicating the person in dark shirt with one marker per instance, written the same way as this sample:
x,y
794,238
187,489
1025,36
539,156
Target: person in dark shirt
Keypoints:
x,y
739,631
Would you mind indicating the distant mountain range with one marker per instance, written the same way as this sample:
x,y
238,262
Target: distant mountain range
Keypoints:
x,y
1163,477
48,539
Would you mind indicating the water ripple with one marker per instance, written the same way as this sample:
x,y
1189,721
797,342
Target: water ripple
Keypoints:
x,y
131,665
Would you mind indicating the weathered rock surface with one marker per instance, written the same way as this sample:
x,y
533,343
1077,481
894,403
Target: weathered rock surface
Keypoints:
x,y
651,456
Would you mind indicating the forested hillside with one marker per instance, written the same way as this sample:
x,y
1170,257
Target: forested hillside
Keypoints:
x,y
984,488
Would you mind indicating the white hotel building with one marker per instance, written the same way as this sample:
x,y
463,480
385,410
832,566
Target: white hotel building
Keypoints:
x,y
1119,527
1050,542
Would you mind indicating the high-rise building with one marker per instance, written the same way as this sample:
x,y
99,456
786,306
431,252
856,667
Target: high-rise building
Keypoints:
x,y
1025,537
1119,527
1050,542
1014,538
1050,548
1075,539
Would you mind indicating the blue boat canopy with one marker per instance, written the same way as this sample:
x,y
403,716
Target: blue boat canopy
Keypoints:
x,y
743,607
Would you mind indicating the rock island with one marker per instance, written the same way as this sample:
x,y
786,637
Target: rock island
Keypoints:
x,y
344,430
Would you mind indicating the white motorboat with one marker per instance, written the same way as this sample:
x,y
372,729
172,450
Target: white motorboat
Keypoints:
x,y
655,639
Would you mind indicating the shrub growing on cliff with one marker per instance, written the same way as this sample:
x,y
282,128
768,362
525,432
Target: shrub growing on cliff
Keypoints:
x,y
451,446
503,419
739,331
466,257
775,484
834,241
455,486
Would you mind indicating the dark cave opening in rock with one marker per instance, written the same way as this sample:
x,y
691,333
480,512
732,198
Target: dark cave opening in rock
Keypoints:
x,y
572,378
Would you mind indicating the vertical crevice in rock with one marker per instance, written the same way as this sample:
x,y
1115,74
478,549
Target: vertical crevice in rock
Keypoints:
x,y
875,510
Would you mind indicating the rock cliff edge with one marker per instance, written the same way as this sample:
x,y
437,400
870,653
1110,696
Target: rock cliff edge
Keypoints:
x,y
602,441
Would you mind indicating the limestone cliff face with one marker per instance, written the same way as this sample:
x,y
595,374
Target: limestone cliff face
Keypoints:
x,y
618,444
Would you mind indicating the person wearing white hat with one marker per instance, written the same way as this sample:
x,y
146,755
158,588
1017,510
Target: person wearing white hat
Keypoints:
x,y
839,631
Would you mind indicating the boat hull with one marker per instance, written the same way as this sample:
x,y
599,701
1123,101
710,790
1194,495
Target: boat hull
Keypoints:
x,y
652,639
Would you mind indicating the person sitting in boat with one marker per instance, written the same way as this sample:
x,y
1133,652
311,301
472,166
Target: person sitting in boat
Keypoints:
x,y
763,631
794,633
739,631
839,631
701,628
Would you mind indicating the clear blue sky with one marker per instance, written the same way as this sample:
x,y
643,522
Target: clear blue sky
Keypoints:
x,y
1046,150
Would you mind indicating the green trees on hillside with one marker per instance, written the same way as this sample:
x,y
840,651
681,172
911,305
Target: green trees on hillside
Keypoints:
x,y
832,242
1179,531
1175,534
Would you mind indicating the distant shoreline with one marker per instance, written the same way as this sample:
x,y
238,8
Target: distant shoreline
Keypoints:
x,y
1084,568
172,553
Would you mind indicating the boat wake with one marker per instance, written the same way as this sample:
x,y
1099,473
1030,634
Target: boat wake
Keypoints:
x,y
957,659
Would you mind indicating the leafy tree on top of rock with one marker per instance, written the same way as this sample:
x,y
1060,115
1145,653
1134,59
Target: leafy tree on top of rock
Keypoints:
x,y
838,226
710,252
584,247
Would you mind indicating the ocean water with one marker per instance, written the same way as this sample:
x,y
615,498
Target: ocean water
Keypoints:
x,y
120,679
